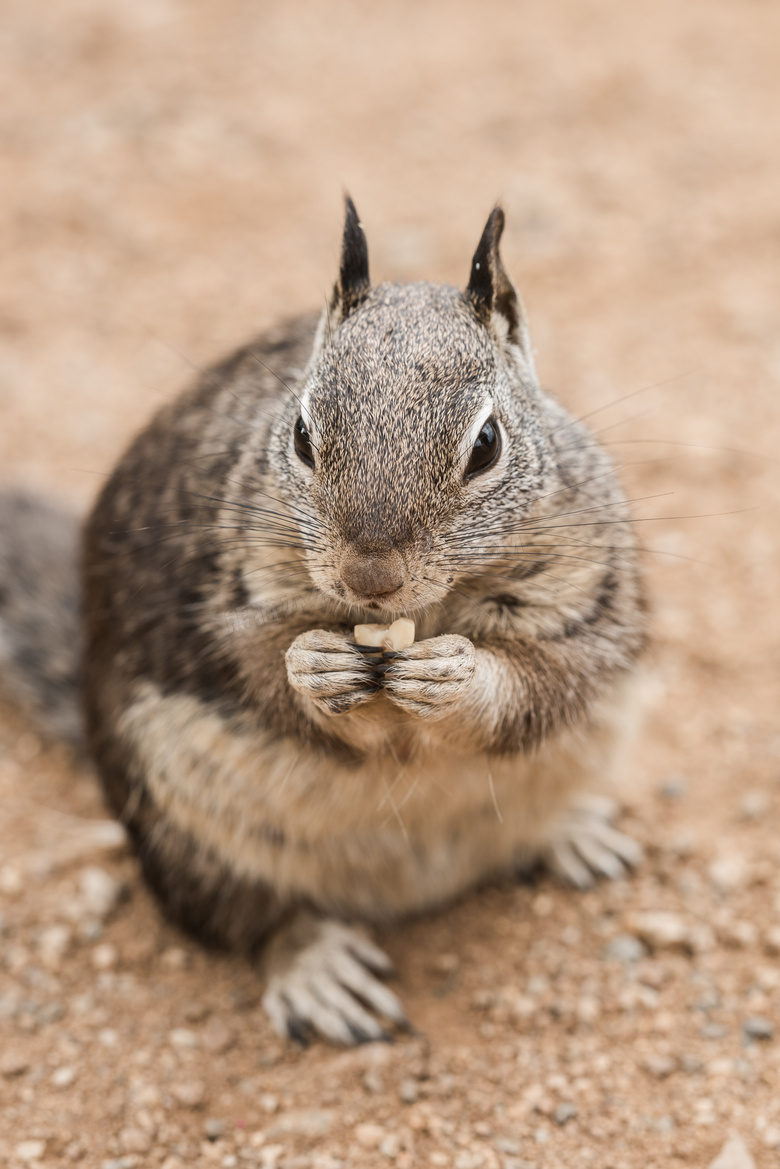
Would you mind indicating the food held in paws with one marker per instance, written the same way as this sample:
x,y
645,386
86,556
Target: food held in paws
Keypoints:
x,y
399,635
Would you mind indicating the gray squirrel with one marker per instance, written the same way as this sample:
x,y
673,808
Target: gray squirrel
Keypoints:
x,y
283,787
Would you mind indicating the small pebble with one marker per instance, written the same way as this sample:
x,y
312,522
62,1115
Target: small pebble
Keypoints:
x,y
305,1122
653,974
90,929
105,956
714,1031
753,806
214,1128
190,1093
564,1113
673,787
195,1012
63,1077
587,1008
147,1095
507,1145
770,1137
50,1012
727,873
174,958
682,845
660,1066
373,1082
10,880
13,1063
100,892
768,977
269,1156
408,1091
53,941
446,963
269,1103
733,1155
390,1146
183,1037
30,1150
217,1037
738,934
663,931
758,1027
625,948
135,1140
369,1136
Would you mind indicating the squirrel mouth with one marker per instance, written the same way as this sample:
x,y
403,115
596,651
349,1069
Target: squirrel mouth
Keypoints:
x,y
374,604
375,600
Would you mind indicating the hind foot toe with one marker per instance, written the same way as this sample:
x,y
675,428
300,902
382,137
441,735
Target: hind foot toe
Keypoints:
x,y
585,846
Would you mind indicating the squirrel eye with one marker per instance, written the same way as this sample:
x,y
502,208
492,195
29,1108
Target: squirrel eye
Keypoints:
x,y
486,450
303,443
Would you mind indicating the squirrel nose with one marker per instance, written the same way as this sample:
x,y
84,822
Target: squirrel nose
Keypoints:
x,y
374,576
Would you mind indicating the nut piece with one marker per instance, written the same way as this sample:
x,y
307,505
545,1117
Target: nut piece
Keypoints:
x,y
399,635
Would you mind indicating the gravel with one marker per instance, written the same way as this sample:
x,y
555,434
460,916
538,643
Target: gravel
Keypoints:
x,y
170,175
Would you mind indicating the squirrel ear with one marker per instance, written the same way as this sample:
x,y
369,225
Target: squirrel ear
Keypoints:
x,y
492,294
353,284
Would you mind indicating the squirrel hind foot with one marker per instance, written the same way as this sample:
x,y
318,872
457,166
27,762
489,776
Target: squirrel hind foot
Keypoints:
x,y
322,979
585,847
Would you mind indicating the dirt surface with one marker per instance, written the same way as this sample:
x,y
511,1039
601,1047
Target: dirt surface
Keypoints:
x,y
172,179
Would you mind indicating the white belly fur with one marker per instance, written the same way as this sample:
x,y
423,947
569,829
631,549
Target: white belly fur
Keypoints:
x,y
378,840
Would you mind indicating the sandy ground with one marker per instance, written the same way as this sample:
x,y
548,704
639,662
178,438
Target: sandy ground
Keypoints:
x,y
172,178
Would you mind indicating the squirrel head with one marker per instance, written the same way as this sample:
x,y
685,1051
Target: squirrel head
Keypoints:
x,y
414,442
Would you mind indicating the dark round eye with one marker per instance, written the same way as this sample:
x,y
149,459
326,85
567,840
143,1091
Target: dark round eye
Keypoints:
x,y
303,443
486,450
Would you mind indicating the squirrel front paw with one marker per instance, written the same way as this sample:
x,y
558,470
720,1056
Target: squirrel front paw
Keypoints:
x,y
431,677
327,668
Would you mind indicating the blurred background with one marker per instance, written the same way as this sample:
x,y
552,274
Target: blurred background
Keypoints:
x,y
172,179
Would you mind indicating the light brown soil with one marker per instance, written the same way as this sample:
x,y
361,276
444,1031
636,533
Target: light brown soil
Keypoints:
x,y
172,182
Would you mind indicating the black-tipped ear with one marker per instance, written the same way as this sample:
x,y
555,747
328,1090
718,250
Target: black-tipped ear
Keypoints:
x,y
489,289
353,284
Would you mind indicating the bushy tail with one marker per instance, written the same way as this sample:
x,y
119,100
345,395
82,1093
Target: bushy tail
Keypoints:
x,y
40,632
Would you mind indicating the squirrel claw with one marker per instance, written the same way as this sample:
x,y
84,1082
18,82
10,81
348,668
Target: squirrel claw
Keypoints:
x,y
296,1031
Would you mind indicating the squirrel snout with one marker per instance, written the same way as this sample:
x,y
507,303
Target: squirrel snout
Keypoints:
x,y
374,576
